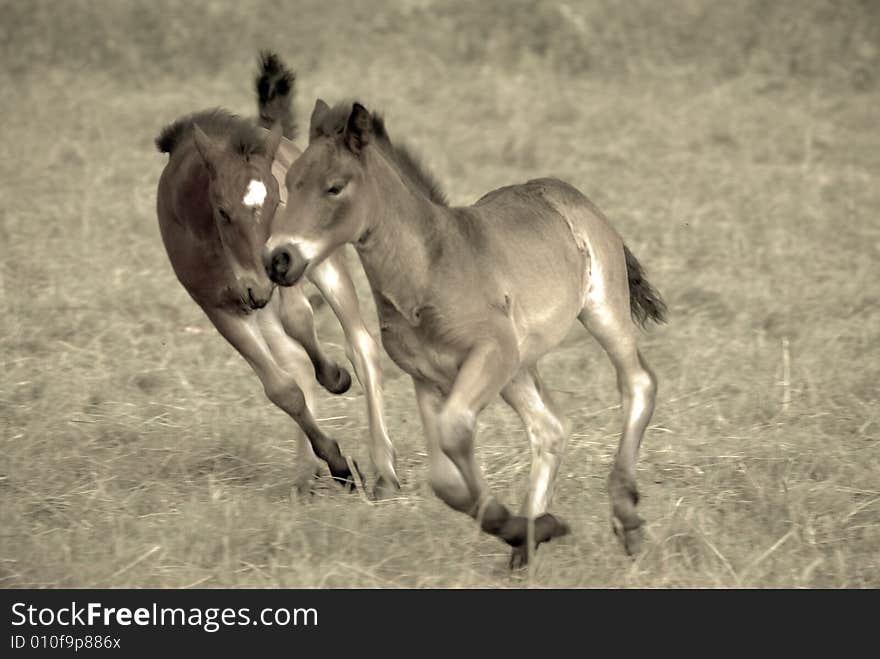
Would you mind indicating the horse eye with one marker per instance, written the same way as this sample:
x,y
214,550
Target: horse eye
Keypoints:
x,y
335,189
224,215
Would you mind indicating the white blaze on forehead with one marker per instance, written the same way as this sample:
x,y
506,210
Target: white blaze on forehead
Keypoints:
x,y
256,194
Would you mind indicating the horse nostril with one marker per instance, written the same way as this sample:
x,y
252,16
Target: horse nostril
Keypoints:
x,y
280,263
254,301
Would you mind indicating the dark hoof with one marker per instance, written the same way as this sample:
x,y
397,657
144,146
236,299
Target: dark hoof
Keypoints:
x,y
547,527
631,538
335,379
623,492
625,520
342,474
385,489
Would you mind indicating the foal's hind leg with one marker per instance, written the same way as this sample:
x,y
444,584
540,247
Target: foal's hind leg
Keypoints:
x,y
298,320
611,324
547,435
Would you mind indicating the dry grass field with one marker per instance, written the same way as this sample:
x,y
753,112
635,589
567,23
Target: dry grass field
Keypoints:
x,y
734,145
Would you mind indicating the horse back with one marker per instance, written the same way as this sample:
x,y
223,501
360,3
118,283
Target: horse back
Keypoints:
x,y
548,244
551,216
518,257
529,232
592,233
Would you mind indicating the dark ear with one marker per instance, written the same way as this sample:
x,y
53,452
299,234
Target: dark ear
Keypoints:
x,y
207,148
318,113
359,129
273,139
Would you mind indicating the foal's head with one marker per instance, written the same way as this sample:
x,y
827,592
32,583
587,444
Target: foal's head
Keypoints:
x,y
328,203
244,196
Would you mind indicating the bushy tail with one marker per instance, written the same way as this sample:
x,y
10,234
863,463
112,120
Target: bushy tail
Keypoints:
x,y
644,300
274,84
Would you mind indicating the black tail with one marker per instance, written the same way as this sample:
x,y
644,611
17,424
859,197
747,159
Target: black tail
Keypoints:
x,y
644,300
274,84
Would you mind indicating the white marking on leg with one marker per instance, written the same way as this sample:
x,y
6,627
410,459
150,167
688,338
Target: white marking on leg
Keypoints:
x,y
331,277
366,344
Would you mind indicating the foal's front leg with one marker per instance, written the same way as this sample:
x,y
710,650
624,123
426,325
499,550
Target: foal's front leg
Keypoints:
x,y
443,474
281,387
298,320
332,279
290,356
487,368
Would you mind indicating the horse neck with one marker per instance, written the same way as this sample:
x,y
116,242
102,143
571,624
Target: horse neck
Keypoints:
x,y
404,234
191,203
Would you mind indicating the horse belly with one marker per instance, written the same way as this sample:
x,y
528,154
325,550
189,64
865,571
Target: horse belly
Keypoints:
x,y
540,328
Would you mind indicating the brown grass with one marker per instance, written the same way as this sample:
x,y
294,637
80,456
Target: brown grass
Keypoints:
x,y
138,449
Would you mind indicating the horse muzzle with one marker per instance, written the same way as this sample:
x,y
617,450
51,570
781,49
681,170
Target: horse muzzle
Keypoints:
x,y
285,264
254,295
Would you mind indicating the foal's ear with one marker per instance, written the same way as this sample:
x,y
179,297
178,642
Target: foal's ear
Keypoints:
x,y
359,129
273,139
207,148
318,113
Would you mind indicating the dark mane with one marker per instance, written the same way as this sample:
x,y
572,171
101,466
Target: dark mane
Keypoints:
x,y
333,123
242,135
409,163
